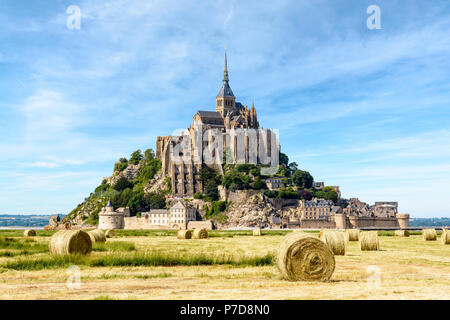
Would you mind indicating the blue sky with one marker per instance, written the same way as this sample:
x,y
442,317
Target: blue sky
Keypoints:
x,y
367,110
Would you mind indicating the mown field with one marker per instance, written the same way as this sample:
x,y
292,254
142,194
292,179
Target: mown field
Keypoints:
x,y
228,265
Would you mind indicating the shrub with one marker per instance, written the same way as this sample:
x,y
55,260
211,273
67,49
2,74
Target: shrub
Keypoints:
x,y
216,208
198,195
148,171
245,167
258,184
122,184
120,166
256,172
271,193
288,193
103,187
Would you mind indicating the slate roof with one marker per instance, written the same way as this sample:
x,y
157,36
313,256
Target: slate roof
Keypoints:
x,y
209,114
225,91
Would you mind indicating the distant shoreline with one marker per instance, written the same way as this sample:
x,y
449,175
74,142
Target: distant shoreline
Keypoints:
x,y
20,228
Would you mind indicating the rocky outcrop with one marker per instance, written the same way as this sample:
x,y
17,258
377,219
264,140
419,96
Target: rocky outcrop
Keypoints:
x,y
130,172
157,184
255,210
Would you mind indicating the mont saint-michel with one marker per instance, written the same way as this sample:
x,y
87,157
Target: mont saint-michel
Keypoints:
x,y
224,171
226,151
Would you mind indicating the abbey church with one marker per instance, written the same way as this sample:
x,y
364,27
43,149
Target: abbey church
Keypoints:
x,y
229,116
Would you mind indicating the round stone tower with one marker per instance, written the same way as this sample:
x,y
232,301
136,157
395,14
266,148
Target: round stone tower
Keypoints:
x,y
110,219
403,220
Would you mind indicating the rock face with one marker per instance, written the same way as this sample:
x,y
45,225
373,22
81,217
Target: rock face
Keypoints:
x,y
254,210
130,172
156,184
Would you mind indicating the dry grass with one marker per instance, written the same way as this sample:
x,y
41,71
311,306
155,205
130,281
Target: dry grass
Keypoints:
x,y
410,268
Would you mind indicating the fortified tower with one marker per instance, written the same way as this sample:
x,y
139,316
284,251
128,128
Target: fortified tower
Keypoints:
x,y
110,219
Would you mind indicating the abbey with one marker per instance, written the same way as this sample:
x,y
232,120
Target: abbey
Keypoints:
x,y
230,117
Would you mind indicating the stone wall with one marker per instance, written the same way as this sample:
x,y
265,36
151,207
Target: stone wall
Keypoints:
x,y
371,222
208,225
135,223
317,224
235,196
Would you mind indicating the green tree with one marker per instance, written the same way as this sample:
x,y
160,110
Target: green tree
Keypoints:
x,y
121,199
136,156
235,180
136,202
302,179
149,154
207,174
293,166
284,159
327,193
155,201
211,191
122,184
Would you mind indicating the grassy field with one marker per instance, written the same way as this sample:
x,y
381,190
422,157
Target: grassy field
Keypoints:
x,y
229,265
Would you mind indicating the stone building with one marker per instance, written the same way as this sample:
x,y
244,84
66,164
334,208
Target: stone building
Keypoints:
x,y
385,209
108,218
229,116
180,214
177,217
315,209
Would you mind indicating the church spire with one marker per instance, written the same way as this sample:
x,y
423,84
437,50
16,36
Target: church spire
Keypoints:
x,y
225,69
225,99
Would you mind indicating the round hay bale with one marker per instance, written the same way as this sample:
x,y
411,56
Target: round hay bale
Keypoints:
x,y
29,233
429,234
401,233
257,232
97,235
184,234
352,234
110,233
70,242
368,241
200,233
335,240
322,231
302,257
445,237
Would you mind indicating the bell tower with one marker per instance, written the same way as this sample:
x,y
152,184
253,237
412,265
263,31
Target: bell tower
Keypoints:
x,y
225,100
